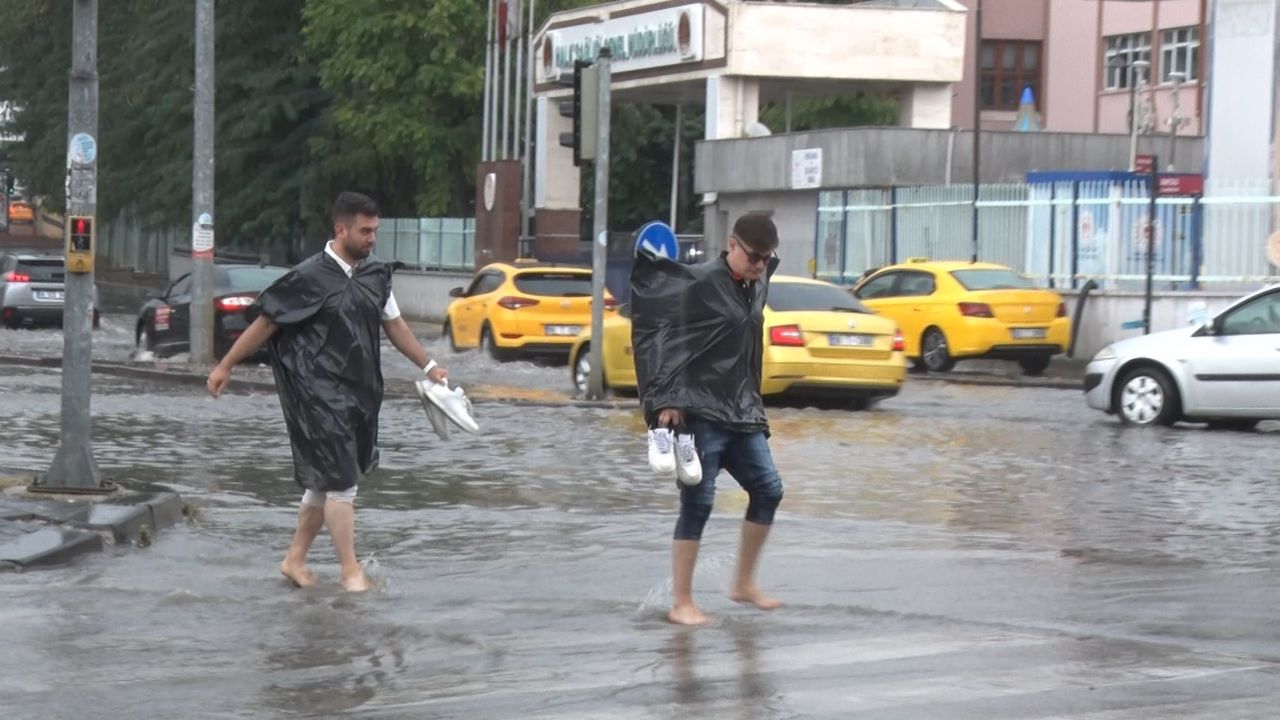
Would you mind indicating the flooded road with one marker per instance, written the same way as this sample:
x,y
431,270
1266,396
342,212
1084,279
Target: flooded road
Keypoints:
x,y
959,552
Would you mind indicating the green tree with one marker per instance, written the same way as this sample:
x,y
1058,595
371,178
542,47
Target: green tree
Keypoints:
x,y
407,81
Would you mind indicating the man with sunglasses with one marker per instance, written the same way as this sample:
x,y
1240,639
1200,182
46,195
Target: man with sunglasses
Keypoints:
x,y
697,333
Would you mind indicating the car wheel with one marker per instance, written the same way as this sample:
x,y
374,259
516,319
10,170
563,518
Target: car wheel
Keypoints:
x,y
1147,396
447,331
489,347
12,323
1035,364
935,353
1237,425
582,369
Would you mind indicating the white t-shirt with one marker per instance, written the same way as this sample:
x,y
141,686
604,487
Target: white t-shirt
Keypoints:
x,y
391,310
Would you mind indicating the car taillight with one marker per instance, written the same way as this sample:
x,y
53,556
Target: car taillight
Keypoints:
x,y
899,342
512,302
1062,309
234,303
979,310
786,335
16,277
611,303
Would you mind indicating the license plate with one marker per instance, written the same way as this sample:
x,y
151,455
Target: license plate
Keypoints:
x,y
851,340
1028,333
564,330
49,295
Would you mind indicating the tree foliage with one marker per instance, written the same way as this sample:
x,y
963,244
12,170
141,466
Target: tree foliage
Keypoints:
x,y
313,96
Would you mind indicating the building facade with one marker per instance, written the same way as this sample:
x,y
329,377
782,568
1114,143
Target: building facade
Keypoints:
x,y
1085,62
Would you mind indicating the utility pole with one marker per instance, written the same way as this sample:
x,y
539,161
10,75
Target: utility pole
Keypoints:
x,y
977,123
74,469
202,191
526,191
600,249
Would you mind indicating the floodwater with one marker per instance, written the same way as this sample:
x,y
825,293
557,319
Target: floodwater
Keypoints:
x,y
958,552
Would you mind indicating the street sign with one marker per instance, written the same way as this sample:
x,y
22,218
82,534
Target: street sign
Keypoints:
x,y
658,238
1145,164
1183,185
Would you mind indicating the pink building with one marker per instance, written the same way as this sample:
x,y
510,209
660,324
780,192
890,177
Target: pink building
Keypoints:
x,y
1076,57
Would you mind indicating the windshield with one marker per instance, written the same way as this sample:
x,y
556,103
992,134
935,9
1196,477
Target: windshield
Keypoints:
x,y
559,284
992,280
42,269
789,297
250,279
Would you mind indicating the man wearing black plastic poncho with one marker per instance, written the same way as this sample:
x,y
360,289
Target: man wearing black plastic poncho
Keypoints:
x,y
324,321
697,331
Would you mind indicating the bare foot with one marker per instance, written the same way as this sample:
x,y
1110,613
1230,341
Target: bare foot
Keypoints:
x,y
297,574
753,596
357,583
688,615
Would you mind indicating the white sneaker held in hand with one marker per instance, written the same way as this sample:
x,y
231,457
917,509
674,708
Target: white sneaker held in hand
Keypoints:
x,y
451,402
662,452
688,464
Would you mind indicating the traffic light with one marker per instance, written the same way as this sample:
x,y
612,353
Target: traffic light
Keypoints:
x,y
80,239
81,234
583,108
8,183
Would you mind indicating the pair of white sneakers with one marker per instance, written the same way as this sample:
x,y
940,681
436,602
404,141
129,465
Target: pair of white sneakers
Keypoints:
x,y
445,405
671,452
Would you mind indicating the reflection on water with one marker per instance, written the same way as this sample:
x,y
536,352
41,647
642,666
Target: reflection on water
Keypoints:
x,y
523,572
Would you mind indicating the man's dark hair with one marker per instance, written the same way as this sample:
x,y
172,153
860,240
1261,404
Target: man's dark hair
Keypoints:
x,y
756,229
350,204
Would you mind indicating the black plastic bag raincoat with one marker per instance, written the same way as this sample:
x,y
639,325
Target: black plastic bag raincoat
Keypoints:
x,y
698,343
327,363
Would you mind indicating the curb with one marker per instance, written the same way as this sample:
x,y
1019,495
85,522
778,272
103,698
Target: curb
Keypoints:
x,y
37,531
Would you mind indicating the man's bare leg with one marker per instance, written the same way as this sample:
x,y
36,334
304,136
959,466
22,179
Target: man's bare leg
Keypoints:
x,y
340,517
744,588
684,611
294,565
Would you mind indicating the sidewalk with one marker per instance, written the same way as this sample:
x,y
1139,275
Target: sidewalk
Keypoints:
x,y
42,530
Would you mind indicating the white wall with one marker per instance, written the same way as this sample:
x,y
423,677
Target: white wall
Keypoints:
x,y
1242,87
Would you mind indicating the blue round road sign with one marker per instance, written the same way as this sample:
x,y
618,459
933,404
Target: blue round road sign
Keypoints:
x,y
659,239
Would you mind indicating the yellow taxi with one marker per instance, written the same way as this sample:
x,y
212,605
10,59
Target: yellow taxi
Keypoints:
x,y
951,311
21,211
522,309
818,340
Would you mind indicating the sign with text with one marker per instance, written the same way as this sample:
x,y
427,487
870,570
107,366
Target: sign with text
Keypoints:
x,y
806,169
654,39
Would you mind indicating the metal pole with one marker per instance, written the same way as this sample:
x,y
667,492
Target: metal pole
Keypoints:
x,y
526,195
1151,250
494,83
595,384
977,123
202,164
73,466
485,148
675,170
505,48
517,82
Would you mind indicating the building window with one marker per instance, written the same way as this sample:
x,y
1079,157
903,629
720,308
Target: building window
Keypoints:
x,y
1180,53
1122,52
1009,66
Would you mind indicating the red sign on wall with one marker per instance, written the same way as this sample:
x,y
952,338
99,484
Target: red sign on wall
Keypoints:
x,y
1180,185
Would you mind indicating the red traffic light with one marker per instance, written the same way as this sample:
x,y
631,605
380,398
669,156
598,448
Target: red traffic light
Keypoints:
x,y
81,227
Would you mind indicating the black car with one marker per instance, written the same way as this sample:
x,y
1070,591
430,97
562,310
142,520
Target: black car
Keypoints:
x,y
164,323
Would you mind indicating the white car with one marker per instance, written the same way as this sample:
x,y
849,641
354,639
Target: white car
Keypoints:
x,y
1226,373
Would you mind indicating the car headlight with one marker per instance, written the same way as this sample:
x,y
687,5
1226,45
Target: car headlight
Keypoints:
x,y
1106,353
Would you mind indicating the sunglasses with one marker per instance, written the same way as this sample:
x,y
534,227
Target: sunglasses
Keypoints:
x,y
755,257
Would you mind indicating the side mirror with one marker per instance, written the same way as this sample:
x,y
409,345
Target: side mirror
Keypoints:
x,y
455,292
1215,327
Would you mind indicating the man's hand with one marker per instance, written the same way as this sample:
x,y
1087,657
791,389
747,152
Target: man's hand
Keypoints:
x,y
438,374
218,380
670,418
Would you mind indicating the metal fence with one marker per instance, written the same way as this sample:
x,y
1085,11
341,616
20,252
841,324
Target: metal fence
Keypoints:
x,y
127,243
429,243
1059,233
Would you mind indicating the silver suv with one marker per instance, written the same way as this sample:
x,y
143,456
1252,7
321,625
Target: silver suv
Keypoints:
x,y
32,289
